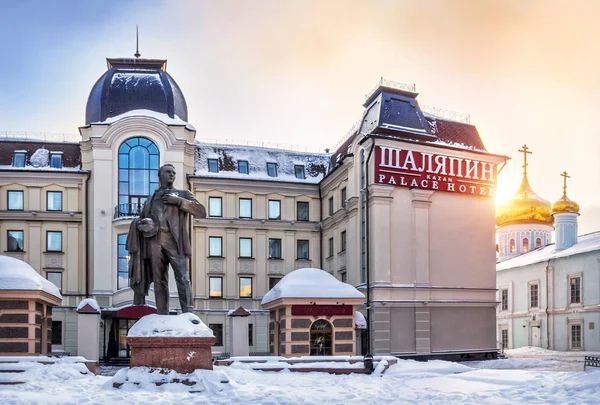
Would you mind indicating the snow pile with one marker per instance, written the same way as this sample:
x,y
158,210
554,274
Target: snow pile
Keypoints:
x,y
15,274
91,302
182,325
310,283
40,158
146,379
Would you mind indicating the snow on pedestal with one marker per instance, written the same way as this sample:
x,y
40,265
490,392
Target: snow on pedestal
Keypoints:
x,y
178,342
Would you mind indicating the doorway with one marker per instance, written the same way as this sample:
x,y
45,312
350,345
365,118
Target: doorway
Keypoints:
x,y
320,338
535,334
123,326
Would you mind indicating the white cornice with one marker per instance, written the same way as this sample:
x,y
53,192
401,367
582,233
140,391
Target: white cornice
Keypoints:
x,y
253,186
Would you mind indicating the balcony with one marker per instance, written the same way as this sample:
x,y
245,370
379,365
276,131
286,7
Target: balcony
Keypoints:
x,y
128,210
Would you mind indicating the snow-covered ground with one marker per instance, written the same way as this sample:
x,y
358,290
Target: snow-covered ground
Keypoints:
x,y
523,378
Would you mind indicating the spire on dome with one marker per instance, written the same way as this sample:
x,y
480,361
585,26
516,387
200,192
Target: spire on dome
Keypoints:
x,y
565,204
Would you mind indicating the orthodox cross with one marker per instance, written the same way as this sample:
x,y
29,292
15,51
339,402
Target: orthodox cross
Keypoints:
x,y
526,152
565,176
137,53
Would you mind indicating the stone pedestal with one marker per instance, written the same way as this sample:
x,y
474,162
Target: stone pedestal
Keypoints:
x,y
238,325
88,335
181,354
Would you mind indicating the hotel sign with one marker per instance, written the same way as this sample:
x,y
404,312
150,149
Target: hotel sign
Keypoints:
x,y
429,171
321,310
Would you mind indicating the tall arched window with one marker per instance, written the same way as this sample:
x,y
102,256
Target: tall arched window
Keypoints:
x,y
512,246
525,245
538,243
138,174
320,338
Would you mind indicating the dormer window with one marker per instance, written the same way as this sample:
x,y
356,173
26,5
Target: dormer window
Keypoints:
x,y
19,159
56,160
299,170
243,166
272,169
213,165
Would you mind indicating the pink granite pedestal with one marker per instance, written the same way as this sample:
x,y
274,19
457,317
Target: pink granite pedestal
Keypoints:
x,y
182,354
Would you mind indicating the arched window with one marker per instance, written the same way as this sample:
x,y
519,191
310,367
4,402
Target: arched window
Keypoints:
x,y
138,174
538,243
512,246
525,245
320,338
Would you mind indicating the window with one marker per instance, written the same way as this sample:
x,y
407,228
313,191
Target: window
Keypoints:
x,y
138,174
575,289
56,160
273,282
330,247
504,299
330,206
272,169
55,277
302,249
122,262
54,200
274,209
18,159
215,287
301,211
215,207
243,166
299,171
274,248
250,334
534,295
525,245
343,241
343,277
343,197
512,247
213,165
15,241
245,247
538,243
215,244
245,208
53,241
217,329
576,336
15,200
504,338
245,287
57,333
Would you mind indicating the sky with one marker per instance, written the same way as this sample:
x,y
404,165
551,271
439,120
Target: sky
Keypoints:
x,y
295,73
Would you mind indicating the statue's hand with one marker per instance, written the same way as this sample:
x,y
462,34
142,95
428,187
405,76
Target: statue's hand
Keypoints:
x,y
172,199
145,225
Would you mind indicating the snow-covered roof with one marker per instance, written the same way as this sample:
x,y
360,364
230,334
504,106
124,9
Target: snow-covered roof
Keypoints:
x,y
150,114
315,164
310,283
585,244
15,274
359,320
91,302
182,325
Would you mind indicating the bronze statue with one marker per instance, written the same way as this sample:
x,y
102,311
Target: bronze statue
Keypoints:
x,y
159,237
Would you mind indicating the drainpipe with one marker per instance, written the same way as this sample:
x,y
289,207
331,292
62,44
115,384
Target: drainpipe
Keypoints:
x,y
547,301
368,356
87,234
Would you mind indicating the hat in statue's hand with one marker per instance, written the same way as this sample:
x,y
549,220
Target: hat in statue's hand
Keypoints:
x,y
147,226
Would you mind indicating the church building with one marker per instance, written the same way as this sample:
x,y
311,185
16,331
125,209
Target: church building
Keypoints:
x,y
548,293
380,213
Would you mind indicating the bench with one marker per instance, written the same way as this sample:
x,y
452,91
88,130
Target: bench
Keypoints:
x,y
591,361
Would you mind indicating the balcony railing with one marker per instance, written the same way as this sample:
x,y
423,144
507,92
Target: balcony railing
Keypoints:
x,y
128,210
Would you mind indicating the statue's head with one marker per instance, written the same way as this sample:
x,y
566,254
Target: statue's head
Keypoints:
x,y
166,175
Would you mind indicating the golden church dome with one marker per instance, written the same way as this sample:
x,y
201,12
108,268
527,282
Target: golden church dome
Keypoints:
x,y
565,204
525,207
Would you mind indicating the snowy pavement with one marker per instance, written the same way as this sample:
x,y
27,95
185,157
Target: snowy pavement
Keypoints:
x,y
516,380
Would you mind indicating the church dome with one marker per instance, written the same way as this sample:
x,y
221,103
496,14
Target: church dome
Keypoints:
x,y
135,84
565,205
525,207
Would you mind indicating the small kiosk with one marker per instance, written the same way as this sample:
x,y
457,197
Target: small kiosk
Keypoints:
x,y
312,314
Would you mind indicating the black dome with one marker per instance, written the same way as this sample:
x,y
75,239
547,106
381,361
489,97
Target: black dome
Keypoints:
x,y
135,84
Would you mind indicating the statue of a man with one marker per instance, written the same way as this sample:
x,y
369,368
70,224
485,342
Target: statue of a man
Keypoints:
x,y
163,239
